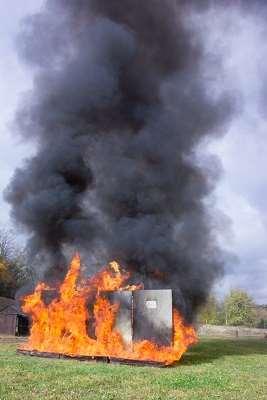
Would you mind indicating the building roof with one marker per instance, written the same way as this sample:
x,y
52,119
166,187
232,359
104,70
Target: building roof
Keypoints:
x,y
9,306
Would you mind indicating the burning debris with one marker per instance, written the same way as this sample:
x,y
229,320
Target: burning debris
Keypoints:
x,y
118,108
61,327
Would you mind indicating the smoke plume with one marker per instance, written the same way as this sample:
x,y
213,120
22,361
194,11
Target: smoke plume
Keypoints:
x,y
118,108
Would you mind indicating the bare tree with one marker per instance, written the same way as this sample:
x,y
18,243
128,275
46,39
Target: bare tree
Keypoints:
x,y
15,272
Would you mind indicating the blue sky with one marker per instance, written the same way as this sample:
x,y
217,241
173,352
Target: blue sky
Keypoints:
x,y
241,194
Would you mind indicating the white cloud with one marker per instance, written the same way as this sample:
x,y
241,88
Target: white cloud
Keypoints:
x,y
241,194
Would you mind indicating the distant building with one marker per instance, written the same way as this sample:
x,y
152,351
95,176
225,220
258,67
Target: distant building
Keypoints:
x,y
12,319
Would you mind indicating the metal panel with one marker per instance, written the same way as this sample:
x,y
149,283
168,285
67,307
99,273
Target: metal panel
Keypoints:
x,y
152,316
124,315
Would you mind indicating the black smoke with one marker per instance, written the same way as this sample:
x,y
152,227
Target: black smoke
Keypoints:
x,y
118,108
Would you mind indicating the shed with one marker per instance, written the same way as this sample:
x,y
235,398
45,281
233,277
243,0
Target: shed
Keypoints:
x,y
12,320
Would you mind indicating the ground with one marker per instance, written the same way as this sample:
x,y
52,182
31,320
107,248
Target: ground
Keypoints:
x,y
213,369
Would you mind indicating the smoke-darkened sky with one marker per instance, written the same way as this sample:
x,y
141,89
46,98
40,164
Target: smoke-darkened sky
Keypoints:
x,y
239,38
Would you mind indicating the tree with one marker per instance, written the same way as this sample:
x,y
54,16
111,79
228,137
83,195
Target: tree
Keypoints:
x,y
14,272
238,308
260,311
211,313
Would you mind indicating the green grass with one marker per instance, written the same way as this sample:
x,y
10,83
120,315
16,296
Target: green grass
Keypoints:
x,y
214,369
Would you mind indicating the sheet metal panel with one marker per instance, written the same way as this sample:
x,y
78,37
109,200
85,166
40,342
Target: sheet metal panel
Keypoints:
x,y
124,315
152,316
144,315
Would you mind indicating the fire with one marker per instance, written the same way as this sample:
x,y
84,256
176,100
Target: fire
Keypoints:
x,y
65,325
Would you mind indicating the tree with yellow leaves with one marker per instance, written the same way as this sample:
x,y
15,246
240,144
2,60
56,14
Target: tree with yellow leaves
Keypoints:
x,y
14,272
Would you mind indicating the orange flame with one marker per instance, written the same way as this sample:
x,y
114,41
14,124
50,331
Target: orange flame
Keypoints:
x,y
62,325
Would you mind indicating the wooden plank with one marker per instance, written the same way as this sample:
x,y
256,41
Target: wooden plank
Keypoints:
x,y
105,359
138,363
35,353
85,358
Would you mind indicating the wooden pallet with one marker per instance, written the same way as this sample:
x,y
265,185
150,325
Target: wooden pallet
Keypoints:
x,y
105,359
44,354
138,363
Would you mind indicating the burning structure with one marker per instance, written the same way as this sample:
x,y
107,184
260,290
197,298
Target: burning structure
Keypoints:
x,y
103,318
119,105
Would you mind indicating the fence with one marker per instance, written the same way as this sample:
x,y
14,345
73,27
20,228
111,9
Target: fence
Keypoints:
x,y
231,331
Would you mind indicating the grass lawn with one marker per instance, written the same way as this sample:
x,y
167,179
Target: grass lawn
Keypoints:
x,y
214,369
